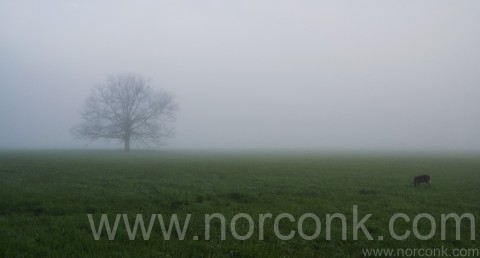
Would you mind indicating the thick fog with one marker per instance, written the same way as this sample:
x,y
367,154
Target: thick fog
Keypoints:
x,y
401,75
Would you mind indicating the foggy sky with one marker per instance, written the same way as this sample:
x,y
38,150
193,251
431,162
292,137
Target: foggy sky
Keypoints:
x,y
401,75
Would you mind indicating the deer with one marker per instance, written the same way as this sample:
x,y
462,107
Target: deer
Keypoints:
x,y
422,179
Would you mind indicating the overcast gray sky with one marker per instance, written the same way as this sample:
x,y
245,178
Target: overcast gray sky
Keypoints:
x,y
251,74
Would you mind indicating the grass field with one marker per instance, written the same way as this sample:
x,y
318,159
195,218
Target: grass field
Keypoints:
x,y
45,197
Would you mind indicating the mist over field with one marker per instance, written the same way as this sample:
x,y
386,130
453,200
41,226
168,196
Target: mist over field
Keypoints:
x,y
361,75
301,128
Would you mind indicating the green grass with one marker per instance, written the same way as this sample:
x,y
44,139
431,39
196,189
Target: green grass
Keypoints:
x,y
45,197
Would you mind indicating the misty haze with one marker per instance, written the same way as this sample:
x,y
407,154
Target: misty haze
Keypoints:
x,y
235,129
251,74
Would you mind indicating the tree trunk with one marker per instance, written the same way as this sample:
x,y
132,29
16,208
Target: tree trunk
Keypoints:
x,y
127,144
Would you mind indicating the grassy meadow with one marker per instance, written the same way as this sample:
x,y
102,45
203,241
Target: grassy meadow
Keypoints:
x,y
45,197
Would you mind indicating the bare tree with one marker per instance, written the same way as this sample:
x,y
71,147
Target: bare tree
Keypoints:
x,y
127,109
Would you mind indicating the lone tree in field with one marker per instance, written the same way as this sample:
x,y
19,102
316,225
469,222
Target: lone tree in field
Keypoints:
x,y
127,109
